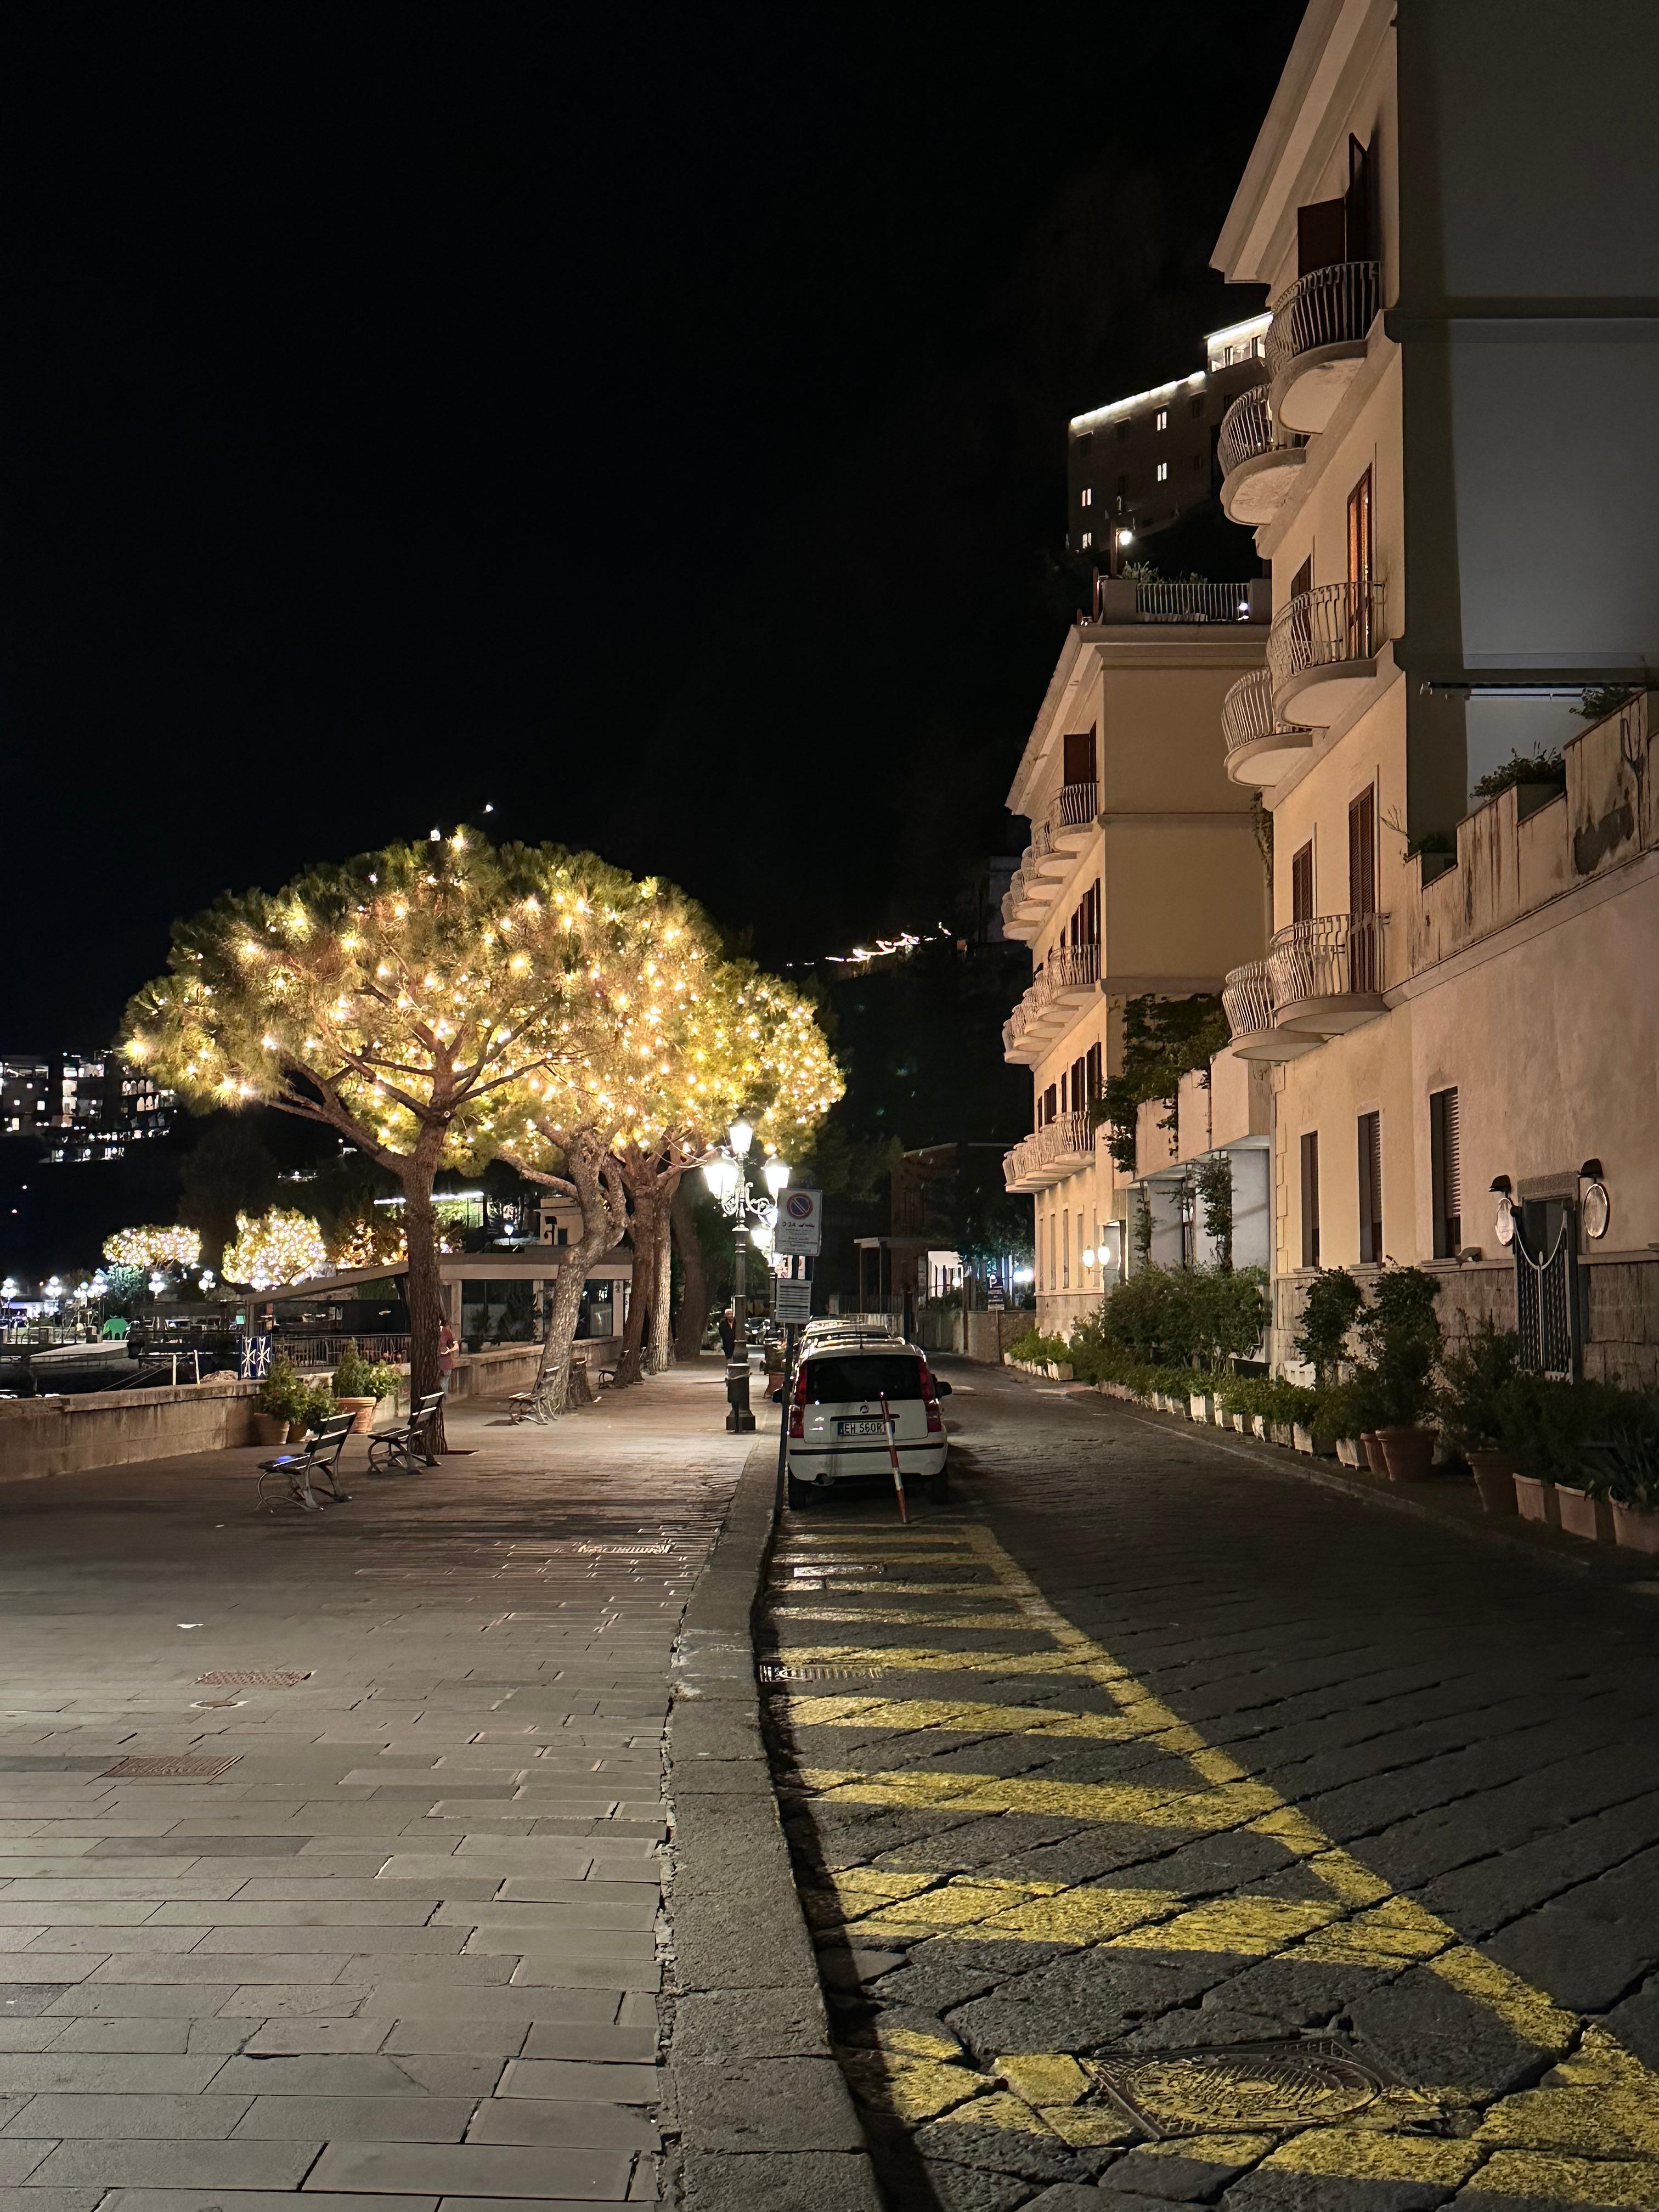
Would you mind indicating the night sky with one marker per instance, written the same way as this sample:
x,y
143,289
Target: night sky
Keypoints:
x,y
653,422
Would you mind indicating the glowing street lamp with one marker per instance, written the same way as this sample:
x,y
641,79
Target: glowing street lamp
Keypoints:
x,y
726,1171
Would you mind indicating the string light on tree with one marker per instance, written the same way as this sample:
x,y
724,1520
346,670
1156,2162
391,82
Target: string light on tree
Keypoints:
x,y
278,1246
149,1247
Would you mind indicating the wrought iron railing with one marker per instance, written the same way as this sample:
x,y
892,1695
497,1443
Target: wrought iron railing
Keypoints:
x,y
1248,713
1198,602
1074,968
1331,956
1247,1000
1327,306
1074,806
1320,629
1248,429
1067,1137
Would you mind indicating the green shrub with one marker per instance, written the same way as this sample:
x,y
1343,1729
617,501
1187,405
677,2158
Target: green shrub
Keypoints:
x,y
1150,1318
1333,1298
1399,1332
1040,1349
1473,1374
1523,767
1580,1433
1229,1314
318,1405
283,1393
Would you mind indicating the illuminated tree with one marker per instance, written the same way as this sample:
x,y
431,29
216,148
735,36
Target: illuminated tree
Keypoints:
x,y
392,998
150,1247
278,1246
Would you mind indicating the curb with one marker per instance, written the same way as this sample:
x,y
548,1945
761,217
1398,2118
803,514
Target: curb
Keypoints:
x,y
765,2122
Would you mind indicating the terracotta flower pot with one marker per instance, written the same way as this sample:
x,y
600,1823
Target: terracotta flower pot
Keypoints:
x,y
1371,1445
1494,1473
1407,1453
1582,1513
298,1432
270,1429
1537,1500
1635,1526
362,1411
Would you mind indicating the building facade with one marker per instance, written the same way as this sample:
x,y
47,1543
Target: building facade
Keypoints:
x,y
84,1106
1451,460
1144,879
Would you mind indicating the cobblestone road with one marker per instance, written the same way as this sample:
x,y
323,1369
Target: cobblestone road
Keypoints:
x,y
404,1949
1132,1749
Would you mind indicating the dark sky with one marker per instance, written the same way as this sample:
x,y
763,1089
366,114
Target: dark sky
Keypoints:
x,y
650,421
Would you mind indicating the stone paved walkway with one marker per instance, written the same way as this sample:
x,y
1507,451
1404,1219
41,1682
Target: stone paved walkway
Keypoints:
x,y
407,1945
1136,1749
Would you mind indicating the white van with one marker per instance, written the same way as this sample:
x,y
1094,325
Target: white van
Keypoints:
x,y
837,1432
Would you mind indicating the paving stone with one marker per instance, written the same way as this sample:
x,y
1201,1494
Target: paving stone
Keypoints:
x,y
115,2073
360,2119
589,2125
18,2000
587,2041
247,2200
332,2073
174,2165
296,2039
554,2077
21,2160
471,2170
58,2114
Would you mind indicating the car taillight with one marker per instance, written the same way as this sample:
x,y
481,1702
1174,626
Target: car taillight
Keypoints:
x,y
797,1406
935,1419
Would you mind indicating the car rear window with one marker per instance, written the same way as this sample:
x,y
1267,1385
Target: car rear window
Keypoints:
x,y
865,1375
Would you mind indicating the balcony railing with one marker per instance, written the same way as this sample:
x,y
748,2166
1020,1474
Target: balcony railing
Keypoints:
x,y
1247,1000
1332,956
1075,805
1325,628
1153,599
1076,968
1248,714
1328,307
1248,430
1053,1150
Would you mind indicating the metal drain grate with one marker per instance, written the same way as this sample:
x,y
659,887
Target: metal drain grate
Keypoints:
x,y
768,1673
840,1567
624,1551
214,1704
256,1677
1293,2083
181,1768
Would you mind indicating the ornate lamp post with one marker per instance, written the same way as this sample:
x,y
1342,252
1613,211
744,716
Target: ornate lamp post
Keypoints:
x,y
726,1174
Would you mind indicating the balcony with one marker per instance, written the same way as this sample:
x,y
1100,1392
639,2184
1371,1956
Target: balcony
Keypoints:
x,y
1325,976
1060,1148
1322,650
1151,599
1260,462
1046,1010
1316,341
1261,745
1056,840
1247,1000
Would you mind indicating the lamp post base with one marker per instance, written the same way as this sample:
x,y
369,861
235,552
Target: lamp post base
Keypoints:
x,y
739,1419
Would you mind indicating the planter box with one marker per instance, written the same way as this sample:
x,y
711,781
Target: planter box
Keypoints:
x,y
1219,1414
1348,1451
1373,1450
1277,1433
1059,1370
1199,1404
1494,1473
270,1429
1537,1501
1584,1515
1242,1422
1635,1528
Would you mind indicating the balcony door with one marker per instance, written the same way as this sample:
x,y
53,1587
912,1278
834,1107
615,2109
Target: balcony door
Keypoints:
x,y
1361,564
1362,891
1078,746
1301,884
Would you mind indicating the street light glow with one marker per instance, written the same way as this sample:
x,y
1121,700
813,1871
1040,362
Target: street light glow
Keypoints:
x,y
776,1176
741,1135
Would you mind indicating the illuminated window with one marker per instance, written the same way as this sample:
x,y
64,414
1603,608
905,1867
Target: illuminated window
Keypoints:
x,y
1163,472
1088,496
1161,420
1088,538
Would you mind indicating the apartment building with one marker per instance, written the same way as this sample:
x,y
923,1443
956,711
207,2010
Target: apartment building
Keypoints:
x,y
1451,462
85,1106
1144,879
1138,465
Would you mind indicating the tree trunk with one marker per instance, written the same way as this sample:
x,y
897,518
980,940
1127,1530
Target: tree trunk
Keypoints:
x,y
591,1177
659,1345
425,1296
647,1198
694,1277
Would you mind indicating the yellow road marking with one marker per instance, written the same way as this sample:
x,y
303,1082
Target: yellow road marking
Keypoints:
x,y
1589,2133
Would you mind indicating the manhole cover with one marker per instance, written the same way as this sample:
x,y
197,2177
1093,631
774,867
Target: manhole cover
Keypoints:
x,y
184,1768
770,1673
1288,2084
257,1678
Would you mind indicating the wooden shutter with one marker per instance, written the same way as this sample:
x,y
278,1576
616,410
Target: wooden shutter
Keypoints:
x,y
1362,891
1311,1199
1301,884
1079,747
1322,235
1370,1186
1361,569
1446,1173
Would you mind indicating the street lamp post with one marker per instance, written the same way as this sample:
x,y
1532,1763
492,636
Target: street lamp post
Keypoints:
x,y
726,1174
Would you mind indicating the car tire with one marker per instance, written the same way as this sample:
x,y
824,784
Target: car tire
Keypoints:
x,y
798,1495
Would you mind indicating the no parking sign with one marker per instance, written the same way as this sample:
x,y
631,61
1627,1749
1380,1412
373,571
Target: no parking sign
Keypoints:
x,y
800,1226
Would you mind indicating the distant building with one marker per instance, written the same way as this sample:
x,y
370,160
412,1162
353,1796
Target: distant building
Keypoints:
x,y
82,1106
1138,465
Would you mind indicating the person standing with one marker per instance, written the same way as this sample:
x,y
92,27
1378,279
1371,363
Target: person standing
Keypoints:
x,y
728,1331
448,1346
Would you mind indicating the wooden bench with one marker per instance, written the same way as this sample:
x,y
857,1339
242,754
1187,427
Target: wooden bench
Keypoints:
x,y
395,1450
294,1475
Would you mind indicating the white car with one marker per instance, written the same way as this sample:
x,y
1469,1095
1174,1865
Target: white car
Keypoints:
x,y
837,1429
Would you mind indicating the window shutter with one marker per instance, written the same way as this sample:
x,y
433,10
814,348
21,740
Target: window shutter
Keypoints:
x,y
1311,1199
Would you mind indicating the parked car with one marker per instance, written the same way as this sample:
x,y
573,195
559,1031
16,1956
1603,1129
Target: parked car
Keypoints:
x,y
837,1431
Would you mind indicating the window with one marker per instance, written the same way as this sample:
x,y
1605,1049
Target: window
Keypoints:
x,y
1370,1186
843,1378
1163,472
1088,540
1078,756
1079,1079
1051,1251
1091,1077
1311,1199
1088,496
1446,1173
1161,420
1048,1104
1195,408
1066,1250
1301,884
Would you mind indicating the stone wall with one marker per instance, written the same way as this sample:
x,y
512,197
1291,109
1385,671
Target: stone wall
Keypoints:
x,y
113,1428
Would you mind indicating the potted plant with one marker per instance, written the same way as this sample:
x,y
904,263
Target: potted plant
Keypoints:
x,y
1584,1508
1631,1463
1473,1375
352,1388
316,1405
1400,1336
279,1402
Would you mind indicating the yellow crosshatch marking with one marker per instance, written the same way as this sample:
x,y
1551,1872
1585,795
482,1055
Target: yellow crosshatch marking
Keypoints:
x,y
1588,2134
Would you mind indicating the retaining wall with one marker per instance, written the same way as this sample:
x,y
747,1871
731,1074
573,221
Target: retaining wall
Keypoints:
x,y
991,1333
109,1428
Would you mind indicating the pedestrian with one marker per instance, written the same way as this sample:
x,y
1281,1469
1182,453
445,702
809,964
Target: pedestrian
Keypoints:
x,y
448,1346
729,1331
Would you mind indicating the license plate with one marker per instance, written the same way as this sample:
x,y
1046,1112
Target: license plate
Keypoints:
x,y
871,1428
